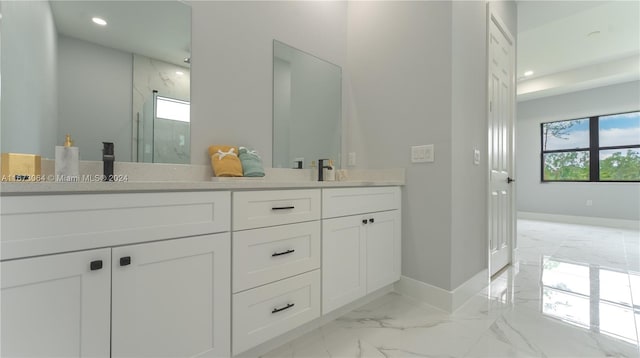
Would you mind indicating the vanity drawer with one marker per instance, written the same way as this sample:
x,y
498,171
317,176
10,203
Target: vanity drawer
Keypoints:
x,y
353,201
45,224
269,254
265,312
253,209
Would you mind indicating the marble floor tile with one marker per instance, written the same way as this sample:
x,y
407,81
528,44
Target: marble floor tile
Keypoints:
x,y
575,292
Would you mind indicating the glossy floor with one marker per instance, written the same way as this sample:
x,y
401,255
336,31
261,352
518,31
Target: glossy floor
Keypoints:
x,y
575,292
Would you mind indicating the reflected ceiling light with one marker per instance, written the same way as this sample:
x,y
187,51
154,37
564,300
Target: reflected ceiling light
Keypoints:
x,y
528,73
593,33
179,73
99,21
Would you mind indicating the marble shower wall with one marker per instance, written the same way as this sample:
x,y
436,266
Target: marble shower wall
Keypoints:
x,y
172,137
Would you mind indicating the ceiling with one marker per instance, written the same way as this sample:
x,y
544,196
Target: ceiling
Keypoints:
x,y
575,45
157,29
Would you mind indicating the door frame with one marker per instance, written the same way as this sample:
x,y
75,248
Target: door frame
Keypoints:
x,y
492,16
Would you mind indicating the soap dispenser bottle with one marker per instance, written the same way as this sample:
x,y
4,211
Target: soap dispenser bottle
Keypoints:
x,y
67,164
314,171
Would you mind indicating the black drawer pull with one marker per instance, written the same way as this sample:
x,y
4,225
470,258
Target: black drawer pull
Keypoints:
x,y
276,310
283,253
124,261
96,265
283,208
364,221
371,220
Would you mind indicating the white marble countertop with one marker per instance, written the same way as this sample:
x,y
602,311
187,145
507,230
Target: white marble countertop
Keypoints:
x,y
157,178
8,188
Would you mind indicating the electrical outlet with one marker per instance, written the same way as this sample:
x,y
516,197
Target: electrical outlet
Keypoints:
x,y
351,161
589,202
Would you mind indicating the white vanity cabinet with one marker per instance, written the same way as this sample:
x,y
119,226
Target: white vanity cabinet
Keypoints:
x,y
360,243
171,298
151,297
56,305
276,263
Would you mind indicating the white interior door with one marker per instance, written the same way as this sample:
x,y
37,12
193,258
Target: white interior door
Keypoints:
x,y
501,113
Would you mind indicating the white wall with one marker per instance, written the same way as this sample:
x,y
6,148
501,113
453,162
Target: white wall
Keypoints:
x,y
610,200
94,97
232,65
421,79
29,106
469,127
400,82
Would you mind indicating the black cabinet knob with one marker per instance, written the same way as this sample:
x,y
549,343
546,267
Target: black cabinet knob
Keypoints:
x,y
364,221
371,220
96,265
126,260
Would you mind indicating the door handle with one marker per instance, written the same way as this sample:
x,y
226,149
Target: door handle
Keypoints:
x,y
364,221
283,253
509,180
276,310
284,208
95,265
124,261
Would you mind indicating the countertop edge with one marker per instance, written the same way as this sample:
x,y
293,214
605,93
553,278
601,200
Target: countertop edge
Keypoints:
x,y
51,188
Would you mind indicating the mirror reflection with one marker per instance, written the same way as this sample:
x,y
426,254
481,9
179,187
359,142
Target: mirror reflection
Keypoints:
x,y
100,71
307,108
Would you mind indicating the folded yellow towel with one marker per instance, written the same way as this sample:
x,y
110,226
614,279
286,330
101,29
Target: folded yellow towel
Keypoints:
x,y
225,161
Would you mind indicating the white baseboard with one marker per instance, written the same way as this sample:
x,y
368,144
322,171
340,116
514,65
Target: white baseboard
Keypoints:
x,y
445,300
581,220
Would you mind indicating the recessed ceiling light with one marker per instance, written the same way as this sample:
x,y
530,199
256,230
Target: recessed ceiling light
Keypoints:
x,y
528,73
179,73
187,60
99,21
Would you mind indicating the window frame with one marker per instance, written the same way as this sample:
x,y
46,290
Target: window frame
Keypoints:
x,y
593,149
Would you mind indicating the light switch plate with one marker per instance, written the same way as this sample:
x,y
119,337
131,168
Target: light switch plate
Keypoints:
x,y
476,156
422,153
351,161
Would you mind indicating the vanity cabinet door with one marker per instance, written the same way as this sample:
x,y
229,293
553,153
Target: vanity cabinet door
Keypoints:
x,y
56,305
383,249
172,298
344,261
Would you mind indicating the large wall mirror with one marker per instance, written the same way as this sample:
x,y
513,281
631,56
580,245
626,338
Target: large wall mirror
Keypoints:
x,y
112,71
307,108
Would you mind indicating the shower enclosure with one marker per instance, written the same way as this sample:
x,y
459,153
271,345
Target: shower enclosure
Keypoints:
x,y
164,131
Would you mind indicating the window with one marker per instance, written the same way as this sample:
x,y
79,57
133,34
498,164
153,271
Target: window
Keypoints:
x,y
600,148
173,109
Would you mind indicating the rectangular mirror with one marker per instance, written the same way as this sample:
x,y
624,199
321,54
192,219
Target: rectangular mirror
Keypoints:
x,y
307,108
95,70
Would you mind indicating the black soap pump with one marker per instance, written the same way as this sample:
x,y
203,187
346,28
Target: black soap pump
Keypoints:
x,y
107,161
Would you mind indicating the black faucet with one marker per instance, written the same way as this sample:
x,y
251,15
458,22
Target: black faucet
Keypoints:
x,y
321,168
107,161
